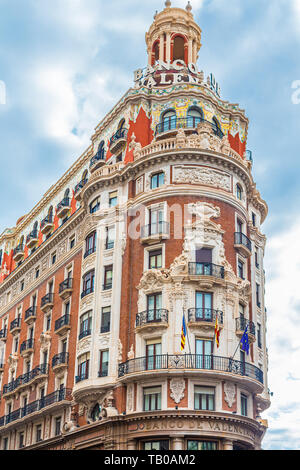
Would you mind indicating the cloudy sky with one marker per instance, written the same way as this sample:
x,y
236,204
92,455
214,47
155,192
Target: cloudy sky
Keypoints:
x,y
65,63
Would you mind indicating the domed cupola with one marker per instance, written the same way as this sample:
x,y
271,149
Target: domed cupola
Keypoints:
x,y
174,35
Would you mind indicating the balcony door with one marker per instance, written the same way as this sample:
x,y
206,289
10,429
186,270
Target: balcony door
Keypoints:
x,y
204,349
203,261
204,302
154,305
153,355
155,221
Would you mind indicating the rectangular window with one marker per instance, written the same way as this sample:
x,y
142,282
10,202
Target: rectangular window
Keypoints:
x,y
259,344
152,398
95,205
157,180
154,305
57,427
153,354
201,445
37,273
72,243
83,367
241,269
53,258
88,283
204,398
103,368
108,274
256,257
253,219
155,259
21,440
105,319
5,443
156,445
38,433
22,285
258,295
204,305
244,399
90,244
113,199
48,322
203,357
85,324
110,238
67,308
156,223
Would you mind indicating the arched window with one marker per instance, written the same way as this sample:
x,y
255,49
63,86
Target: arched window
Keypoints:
x,y
168,121
194,116
178,48
67,192
217,127
239,192
100,152
121,124
155,52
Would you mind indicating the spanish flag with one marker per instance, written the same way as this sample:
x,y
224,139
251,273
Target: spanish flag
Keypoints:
x,y
217,332
183,333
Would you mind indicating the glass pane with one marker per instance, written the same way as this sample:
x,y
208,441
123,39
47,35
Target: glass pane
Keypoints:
x,y
192,445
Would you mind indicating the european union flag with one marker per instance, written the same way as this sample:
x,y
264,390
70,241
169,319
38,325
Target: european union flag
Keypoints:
x,y
245,341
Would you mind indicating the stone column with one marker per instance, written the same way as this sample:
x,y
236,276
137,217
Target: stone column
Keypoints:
x,y
227,445
168,47
177,442
190,51
161,47
131,445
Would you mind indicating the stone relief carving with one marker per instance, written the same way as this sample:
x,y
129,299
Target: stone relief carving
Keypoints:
x,y
45,341
229,389
139,185
202,175
130,395
120,350
83,345
177,387
130,354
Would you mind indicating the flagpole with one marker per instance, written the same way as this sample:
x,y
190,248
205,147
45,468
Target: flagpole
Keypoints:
x,y
240,341
187,334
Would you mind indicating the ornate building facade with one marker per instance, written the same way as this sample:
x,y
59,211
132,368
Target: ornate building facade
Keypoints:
x,y
157,221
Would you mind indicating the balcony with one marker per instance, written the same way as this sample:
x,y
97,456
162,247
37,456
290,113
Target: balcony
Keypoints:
x,y
204,317
89,252
171,126
36,375
240,326
47,225
60,362
190,362
78,188
97,160
84,334
27,348
18,253
155,232
118,140
55,397
242,244
152,319
30,315
66,288
3,334
15,326
47,302
32,239
62,325
80,378
206,269
63,208
87,291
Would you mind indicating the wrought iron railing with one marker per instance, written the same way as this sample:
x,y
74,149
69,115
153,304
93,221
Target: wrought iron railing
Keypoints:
x,y
28,344
47,299
42,369
87,291
63,321
204,315
241,239
84,333
32,236
61,358
206,269
157,228
16,323
241,324
46,220
3,333
80,185
66,284
64,203
159,315
89,252
120,134
189,122
18,249
30,312
100,156
55,397
191,362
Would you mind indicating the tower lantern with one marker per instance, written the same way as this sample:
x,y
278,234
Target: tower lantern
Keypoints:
x,y
174,35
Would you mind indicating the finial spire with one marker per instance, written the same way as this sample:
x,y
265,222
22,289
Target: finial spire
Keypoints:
x,y
168,3
188,7
155,15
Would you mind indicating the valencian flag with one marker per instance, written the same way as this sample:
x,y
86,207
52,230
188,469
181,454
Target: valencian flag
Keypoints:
x,y
183,333
217,332
245,341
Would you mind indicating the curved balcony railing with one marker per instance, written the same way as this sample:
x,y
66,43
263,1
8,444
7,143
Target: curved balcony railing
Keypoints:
x,y
159,315
16,323
61,358
47,299
32,236
89,252
30,312
46,221
63,321
241,324
24,379
120,134
189,122
55,397
65,203
79,186
28,344
80,378
191,362
87,291
84,333
3,333
158,228
241,239
99,157
204,315
19,250
206,269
